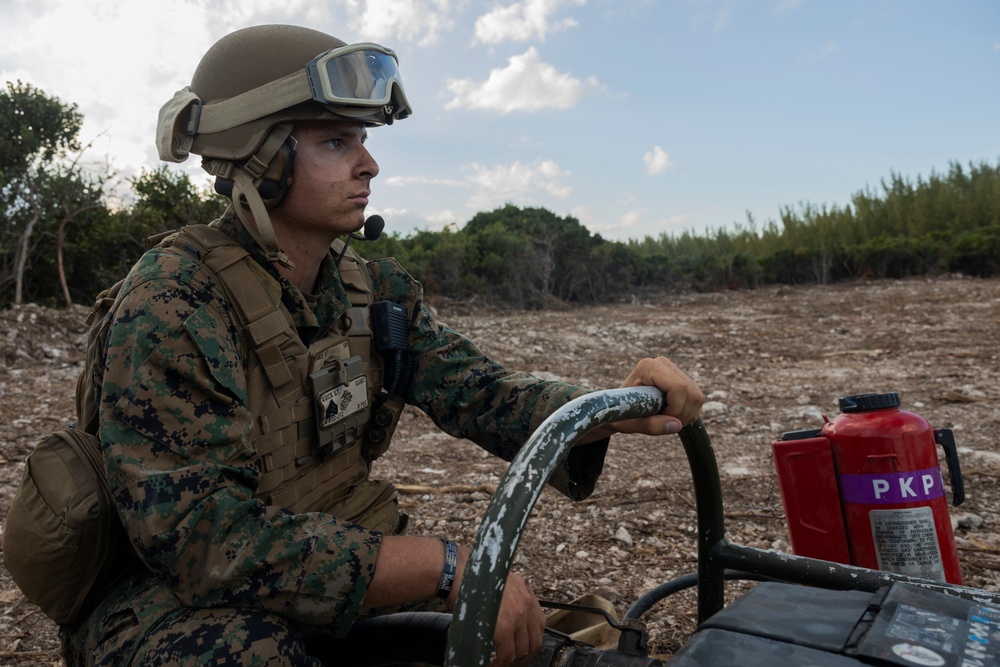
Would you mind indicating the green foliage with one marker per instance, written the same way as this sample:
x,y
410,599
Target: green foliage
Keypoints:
x,y
40,187
512,256
530,257
109,244
166,200
940,224
34,128
525,258
975,252
52,193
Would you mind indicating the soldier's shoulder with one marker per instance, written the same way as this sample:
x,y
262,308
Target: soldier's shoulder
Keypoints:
x,y
170,264
168,286
393,281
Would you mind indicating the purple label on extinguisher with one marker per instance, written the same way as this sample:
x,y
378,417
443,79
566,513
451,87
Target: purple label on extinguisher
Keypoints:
x,y
891,487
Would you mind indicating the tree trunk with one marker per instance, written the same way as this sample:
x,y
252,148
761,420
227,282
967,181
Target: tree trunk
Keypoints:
x,y
59,249
59,261
22,259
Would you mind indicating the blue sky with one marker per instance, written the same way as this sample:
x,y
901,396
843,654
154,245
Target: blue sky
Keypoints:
x,y
638,117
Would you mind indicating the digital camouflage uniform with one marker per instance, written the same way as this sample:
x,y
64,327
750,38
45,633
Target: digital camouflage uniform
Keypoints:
x,y
222,578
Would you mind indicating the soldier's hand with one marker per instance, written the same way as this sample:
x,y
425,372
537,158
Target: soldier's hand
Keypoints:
x,y
684,397
520,620
520,624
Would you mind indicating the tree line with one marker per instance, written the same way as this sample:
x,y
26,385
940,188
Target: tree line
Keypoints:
x,y
530,257
64,238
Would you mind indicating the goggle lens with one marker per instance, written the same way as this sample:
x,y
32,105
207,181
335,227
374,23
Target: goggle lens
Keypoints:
x,y
358,76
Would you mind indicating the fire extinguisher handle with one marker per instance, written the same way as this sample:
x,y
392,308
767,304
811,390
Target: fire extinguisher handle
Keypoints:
x,y
945,438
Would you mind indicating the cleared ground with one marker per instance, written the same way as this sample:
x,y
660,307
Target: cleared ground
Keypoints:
x,y
771,360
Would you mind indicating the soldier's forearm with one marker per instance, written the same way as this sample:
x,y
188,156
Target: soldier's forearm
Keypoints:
x,y
408,570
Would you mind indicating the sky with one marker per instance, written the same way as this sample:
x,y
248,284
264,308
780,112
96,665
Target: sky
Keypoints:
x,y
637,117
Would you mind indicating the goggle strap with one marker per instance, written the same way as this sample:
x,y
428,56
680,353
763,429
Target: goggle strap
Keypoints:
x,y
256,103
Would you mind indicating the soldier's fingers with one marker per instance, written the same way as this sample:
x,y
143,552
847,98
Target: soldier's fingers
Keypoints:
x,y
660,424
683,396
682,405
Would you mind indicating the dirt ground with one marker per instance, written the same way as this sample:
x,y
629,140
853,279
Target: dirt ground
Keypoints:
x,y
770,360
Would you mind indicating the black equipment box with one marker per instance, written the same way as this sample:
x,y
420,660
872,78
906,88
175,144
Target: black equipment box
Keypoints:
x,y
902,624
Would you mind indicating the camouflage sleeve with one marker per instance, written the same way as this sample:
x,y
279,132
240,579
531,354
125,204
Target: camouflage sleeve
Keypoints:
x,y
468,395
176,429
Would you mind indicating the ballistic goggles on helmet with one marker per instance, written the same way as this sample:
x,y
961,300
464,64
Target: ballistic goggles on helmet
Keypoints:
x,y
356,81
357,75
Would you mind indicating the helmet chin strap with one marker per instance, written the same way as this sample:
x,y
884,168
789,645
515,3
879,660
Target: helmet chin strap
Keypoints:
x,y
260,229
244,190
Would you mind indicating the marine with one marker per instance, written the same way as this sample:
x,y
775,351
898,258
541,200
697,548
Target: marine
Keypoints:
x,y
242,402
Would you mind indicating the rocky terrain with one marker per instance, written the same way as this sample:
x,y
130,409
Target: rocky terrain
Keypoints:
x,y
771,360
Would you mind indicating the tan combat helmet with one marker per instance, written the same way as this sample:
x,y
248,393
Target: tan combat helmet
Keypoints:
x,y
247,92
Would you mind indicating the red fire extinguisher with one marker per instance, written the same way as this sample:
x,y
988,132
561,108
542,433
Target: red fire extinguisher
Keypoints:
x,y
866,489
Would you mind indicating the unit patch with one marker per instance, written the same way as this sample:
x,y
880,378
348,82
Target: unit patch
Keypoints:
x,y
342,401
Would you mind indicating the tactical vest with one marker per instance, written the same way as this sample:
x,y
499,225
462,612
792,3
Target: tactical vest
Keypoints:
x,y
319,419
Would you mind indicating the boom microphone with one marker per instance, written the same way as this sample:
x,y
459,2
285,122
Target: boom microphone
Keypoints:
x,y
373,229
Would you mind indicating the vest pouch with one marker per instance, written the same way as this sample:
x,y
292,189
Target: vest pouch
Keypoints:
x,y
342,405
62,529
383,425
372,504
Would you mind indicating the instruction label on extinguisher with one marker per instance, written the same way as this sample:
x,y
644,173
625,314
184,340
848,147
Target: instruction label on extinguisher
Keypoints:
x,y
906,539
906,542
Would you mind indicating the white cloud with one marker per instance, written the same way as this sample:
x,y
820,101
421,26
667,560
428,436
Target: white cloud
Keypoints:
x,y
420,21
584,214
389,212
723,19
635,224
630,219
228,15
526,84
516,181
438,220
120,60
422,180
716,20
80,51
494,185
674,220
522,21
656,161
819,53
627,221
786,6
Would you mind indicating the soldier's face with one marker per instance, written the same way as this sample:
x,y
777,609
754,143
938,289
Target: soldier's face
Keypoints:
x,y
331,179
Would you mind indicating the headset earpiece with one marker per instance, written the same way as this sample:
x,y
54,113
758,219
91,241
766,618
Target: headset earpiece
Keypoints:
x,y
224,187
274,182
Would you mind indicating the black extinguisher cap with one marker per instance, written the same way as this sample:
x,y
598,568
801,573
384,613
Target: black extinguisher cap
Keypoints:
x,y
869,402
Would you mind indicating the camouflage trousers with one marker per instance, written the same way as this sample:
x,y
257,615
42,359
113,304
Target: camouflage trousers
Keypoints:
x,y
141,623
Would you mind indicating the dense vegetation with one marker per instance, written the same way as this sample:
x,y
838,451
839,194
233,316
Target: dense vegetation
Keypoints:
x,y
63,239
947,223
